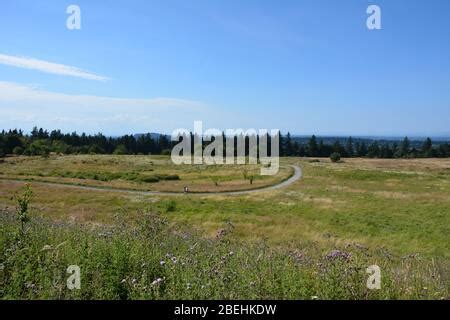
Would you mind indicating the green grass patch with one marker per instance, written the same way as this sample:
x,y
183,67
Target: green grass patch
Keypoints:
x,y
158,260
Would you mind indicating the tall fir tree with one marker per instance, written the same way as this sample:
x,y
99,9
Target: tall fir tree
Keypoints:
x,y
349,149
312,147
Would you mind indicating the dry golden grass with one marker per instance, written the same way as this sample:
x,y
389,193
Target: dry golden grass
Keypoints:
x,y
402,165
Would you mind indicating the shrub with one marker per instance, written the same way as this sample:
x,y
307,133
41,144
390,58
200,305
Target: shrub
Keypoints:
x,y
96,149
167,177
23,202
335,157
166,152
121,150
60,147
80,175
245,173
18,150
171,206
130,176
215,180
37,148
149,179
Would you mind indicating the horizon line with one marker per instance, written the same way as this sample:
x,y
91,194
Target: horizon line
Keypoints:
x,y
442,136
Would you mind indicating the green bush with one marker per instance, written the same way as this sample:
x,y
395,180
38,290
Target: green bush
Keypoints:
x,y
167,177
166,152
96,149
149,179
171,206
121,150
38,148
18,150
335,157
60,147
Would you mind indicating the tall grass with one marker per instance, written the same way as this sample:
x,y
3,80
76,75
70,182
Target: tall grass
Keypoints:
x,y
157,260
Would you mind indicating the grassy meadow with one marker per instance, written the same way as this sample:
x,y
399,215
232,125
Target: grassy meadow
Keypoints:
x,y
156,173
312,239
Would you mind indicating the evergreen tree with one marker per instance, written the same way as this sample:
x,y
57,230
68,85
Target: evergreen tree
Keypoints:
x,y
386,151
302,151
282,145
312,147
338,148
289,148
427,148
444,150
361,149
321,149
405,147
374,150
296,149
34,133
2,147
349,149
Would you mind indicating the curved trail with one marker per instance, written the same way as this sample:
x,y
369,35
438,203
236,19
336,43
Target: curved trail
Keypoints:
x,y
296,176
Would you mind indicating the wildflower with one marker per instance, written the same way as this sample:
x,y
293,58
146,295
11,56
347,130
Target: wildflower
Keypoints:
x,y
47,247
360,246
30,285
157,281
185,235
337,254
123,281
174,260
162,262
221,233
298,256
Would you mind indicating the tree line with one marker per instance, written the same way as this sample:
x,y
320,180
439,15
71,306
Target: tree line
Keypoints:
x,y
370,148
42,142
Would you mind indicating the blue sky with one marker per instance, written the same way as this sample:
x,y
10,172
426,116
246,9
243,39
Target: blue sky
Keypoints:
x,y
303,66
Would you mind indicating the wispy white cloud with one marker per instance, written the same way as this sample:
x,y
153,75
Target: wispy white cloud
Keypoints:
x,y
49,67
24,106
13,92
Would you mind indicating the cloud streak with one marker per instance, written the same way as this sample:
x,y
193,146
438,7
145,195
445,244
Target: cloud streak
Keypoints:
x,y
13,92
49,67
24,106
